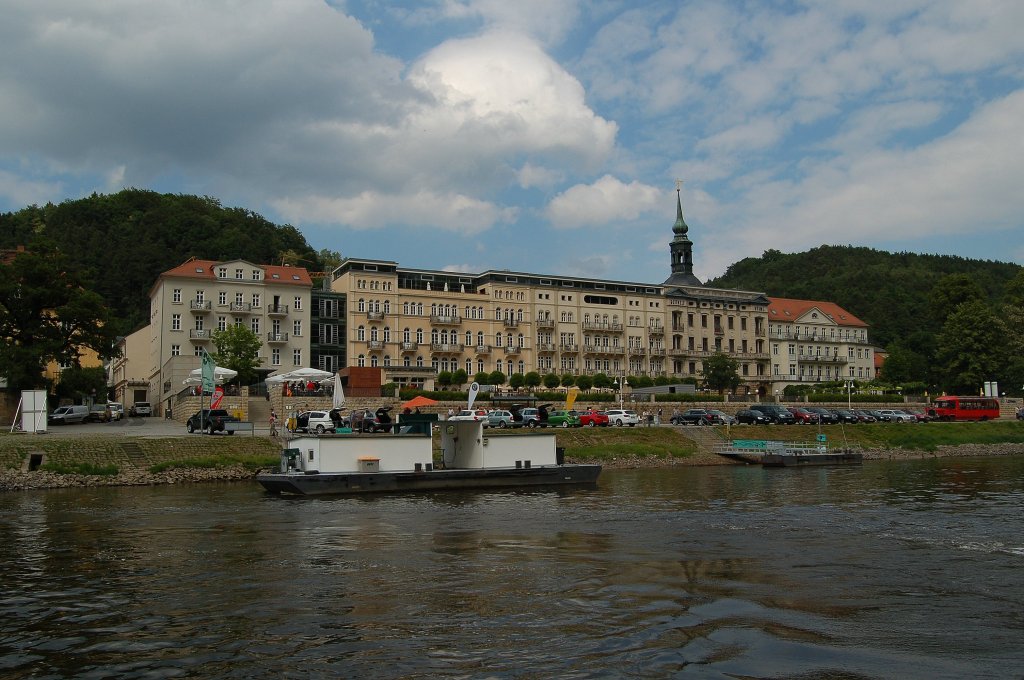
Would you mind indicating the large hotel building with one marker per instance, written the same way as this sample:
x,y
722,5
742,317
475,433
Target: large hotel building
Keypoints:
x,y
415,323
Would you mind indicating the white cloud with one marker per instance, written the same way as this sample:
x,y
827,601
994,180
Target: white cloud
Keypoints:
x,y
372,210
22,191
531,175
606,201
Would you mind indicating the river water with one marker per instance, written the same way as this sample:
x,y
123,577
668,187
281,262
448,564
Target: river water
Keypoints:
x,y
911,569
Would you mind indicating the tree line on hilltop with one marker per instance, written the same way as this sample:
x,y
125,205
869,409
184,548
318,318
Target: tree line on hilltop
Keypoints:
x,y
948,323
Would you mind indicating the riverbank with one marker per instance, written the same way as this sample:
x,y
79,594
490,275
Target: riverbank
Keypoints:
x,y
151,454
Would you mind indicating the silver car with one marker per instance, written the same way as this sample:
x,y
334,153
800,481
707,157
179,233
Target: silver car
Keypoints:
x,y
501,419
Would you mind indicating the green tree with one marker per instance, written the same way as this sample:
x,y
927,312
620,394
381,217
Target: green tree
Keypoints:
x,y
721,372
904,365
47,314
533,380
584,382
551,381
952,291
516,380
972,349
568,380
78,382
238,348
602,381
459,377
482,378
496,378
444,379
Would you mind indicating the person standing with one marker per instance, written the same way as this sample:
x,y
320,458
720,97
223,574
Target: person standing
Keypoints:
x,y
273,423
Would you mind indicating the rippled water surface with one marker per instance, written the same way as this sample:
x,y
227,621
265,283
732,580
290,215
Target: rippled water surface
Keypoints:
x,y
890,570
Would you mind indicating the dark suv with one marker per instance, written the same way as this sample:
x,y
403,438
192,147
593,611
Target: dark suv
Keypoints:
x,y
693,416
210,420
776,413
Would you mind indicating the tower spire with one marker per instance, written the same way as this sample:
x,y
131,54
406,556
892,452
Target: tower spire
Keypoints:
x,y
681,248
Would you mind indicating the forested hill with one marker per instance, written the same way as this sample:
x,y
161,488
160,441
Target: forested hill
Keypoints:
x,y
121,242
890,291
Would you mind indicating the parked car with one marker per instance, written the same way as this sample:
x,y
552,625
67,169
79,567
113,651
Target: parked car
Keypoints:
x,y
619,417
319,422
116,410
563,419
592,418
845,416
365,420
209,420
476,414
825,417
803,416
100,413
141,409
865,416
722,418
692,416
501,418
776,413
920,416
896,416
68,415
751,417
528,417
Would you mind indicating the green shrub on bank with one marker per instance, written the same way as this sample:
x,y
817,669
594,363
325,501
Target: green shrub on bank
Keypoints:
x,y
80,469
210,463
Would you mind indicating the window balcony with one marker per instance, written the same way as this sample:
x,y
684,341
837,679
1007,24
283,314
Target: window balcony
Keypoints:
x,y
655,330
510,349
198,307
445,348
545,347
277,338
375,316
440,320
200,336
408,346
240,308
483,349
277,310
602,326
545,323
375,345
569,348
511,323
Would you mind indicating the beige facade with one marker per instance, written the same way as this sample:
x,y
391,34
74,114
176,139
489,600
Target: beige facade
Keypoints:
x,y
813,341
515,322
130,372
191,301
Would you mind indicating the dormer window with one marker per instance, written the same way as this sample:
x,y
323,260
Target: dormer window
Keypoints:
x,y
238,274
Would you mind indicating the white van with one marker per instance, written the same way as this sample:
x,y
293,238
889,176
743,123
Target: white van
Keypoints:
x,y
116,410
67,415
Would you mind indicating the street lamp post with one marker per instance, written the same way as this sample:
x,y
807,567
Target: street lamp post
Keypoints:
x,y
620,384
849,398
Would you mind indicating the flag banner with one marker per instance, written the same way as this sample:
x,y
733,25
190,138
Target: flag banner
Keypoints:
x,y
208,373
218,395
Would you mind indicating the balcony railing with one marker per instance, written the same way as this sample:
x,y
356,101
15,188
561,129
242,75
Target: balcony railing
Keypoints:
x,y
277,310
240,308
408,346
198,307
656,330
511,349
374,345
442,347
569,348
202,335
277,337
510,322
483,349
545,347
450,320
545,323
602,326
375,316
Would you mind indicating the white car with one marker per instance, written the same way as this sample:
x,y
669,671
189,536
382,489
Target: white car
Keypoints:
x,y
619,417
316,421
476,414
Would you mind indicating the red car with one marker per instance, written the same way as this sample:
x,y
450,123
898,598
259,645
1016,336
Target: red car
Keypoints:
x,y
803,416
591,418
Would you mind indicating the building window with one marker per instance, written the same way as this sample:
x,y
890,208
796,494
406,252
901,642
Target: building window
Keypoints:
x,y
297,357
175,350
222,272
297,328
361,334
222,323
238,274
199,323
298,303
175,322
197,351
256,275
256,300
238,299
255,325
176,295
222,298
200,296
275,357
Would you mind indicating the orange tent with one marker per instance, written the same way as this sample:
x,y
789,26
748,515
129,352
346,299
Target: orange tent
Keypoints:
x,y
416,402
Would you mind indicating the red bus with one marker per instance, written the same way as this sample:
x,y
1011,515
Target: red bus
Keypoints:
x,y
965,408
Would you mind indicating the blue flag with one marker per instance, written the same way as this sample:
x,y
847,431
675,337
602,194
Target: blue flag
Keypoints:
x,y
208,373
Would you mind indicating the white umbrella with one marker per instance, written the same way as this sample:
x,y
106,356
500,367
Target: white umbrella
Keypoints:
x,y
220,374
339,393
302,374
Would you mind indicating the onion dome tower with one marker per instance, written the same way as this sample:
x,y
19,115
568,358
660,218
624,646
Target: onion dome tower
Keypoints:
x,y
681,249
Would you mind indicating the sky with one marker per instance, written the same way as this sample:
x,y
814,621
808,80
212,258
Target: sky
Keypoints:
x,y
542,136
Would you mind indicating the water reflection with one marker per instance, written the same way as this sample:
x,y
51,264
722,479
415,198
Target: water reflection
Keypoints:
x,y
893,569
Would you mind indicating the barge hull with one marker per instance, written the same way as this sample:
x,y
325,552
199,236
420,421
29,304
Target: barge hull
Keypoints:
x,y
314,484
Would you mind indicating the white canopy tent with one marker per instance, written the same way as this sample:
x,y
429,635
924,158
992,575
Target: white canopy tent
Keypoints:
x,y
303,374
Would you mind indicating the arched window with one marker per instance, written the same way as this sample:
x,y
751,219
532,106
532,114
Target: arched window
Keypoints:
x,y
498,337
521,345
361,305
387,306
419,335
387,334
406,335
469,338
434,336
479,338
361,361
387,361
373,360
360,334
373,334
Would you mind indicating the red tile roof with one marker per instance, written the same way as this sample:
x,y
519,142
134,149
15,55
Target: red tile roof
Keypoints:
x,y
788,310
206,269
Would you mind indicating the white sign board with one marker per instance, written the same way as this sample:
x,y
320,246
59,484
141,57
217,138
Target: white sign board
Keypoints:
x,y
33,411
